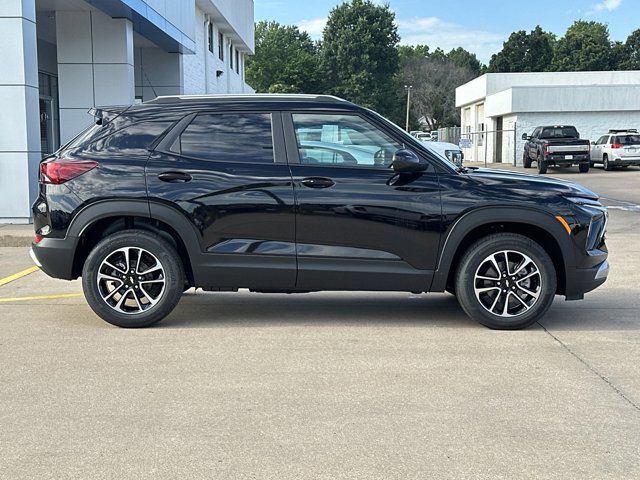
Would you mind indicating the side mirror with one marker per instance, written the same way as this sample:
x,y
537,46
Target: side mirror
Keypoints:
x,y
525,136
593,142
405,161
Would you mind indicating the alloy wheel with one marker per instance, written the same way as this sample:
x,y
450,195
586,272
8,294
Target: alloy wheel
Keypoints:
x,y
131,280
507,283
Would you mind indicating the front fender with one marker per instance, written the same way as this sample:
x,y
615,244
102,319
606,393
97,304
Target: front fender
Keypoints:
x,y
469,221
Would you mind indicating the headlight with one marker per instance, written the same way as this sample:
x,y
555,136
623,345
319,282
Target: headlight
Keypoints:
x,y
585,201
454,156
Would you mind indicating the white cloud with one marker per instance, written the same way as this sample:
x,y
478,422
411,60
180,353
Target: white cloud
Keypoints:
x,y
313,27
608,5
435,32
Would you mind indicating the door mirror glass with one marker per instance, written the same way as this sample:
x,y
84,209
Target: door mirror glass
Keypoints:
x,y
405,161
525,136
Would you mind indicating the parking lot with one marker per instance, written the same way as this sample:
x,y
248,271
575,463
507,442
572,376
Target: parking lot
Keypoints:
x,y
326,385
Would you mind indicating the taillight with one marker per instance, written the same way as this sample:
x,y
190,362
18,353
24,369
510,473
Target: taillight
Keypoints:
x,y
61,170
37,239
616,145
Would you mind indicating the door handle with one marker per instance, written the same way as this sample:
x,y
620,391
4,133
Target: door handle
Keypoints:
x,y
174,177
317,182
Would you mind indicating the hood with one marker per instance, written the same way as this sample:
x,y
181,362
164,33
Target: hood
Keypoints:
x,y
530,184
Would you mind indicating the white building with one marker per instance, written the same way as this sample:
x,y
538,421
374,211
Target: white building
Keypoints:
x,y
497,108
61,57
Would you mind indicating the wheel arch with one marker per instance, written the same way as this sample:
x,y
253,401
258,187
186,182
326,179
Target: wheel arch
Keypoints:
x,y
106,217
539,226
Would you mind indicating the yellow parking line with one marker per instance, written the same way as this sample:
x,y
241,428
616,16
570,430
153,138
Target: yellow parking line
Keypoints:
x,y
41,297
18,275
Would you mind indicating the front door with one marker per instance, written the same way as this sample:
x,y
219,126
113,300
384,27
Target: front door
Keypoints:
x,y
227,174
359,226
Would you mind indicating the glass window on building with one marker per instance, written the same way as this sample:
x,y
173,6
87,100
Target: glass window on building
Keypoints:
x,y
49,113
220,46
210,36
237,61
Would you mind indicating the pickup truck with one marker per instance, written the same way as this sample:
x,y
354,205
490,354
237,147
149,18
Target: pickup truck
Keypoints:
x,y
556,145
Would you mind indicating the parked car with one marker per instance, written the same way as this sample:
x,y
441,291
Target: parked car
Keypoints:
x,y
556,145
449,151
618,148
424,136
222,193
434,135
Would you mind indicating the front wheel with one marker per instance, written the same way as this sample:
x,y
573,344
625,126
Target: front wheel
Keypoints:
x,y
133,279
526,160
506,281
583,167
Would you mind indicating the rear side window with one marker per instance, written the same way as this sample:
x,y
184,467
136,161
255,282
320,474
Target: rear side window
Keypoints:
x,y
228,137
135,137
627,139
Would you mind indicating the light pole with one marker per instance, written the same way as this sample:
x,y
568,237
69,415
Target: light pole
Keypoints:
x,y
408,89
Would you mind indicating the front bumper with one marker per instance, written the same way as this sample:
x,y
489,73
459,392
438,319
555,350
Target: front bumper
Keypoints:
x,y
55,256
583,280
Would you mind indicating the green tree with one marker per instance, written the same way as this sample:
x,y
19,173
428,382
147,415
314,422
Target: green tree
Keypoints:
x,y
412,51
585,46
285,61
359,55
525,52
628,54
464,59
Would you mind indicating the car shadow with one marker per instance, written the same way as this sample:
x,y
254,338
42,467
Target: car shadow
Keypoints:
x,y
213,310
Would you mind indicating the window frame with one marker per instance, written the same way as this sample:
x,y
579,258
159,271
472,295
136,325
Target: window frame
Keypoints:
x,y
293,149
221,46
210,46
277,136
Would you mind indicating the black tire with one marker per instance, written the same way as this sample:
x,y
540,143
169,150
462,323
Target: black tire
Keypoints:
x,y
583,167
478,254
605,163
542,166
526,160
172,273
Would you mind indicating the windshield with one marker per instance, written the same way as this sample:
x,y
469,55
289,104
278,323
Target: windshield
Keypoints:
x,y
559,132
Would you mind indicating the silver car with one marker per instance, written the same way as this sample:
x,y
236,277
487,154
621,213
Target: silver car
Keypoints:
x,y
618,148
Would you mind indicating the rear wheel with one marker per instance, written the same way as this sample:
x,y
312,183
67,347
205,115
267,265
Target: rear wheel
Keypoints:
x,y
542,165
605,163
506,281
583,167
133,279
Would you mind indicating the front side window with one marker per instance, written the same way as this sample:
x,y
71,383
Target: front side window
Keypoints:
x,y
228,137
602,140
342,140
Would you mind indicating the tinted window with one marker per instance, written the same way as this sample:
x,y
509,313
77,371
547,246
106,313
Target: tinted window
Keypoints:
x,y
134,137
627,139
559,132
342,140
229,137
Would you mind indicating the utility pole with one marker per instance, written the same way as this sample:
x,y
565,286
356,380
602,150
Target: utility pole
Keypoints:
x,y
408,89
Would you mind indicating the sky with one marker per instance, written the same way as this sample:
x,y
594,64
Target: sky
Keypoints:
x,y
480,26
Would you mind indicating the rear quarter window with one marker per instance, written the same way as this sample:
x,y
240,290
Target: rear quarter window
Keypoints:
x,y
132,139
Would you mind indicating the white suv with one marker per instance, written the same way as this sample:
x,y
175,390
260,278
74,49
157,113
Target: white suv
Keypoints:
x,y
617,148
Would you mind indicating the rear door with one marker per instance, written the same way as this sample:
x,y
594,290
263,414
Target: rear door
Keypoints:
x,y
630,146
359,225
226,172
597,148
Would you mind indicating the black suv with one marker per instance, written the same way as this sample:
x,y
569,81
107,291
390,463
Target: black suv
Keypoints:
x,y
295,194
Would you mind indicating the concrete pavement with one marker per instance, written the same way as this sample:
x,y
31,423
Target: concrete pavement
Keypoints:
x,y
326,385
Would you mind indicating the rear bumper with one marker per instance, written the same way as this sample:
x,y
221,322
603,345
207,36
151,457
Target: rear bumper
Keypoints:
x,y
55,256
626,161
561,159
583,280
